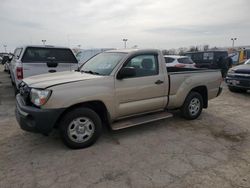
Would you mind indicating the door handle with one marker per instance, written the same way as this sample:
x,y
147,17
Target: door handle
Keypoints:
x,y
159,82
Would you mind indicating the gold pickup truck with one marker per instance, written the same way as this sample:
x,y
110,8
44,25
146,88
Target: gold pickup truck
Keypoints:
x,y
118,88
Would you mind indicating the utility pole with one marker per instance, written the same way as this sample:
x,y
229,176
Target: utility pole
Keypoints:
x,y
43,41
125,42
233,39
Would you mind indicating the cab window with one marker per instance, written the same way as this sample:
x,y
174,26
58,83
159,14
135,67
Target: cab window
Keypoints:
x,y
145,65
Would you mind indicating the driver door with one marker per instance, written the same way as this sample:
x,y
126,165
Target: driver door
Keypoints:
x,y
142,93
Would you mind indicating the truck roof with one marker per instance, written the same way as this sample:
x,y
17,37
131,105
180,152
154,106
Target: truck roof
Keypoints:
x,y
42,46
133,50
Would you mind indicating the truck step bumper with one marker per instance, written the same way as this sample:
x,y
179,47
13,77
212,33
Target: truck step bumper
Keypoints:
x,y
146,118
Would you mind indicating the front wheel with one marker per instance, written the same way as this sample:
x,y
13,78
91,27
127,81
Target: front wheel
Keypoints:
x,y
80,128
192,107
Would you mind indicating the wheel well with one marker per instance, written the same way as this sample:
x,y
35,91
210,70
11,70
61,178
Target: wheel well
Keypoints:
x,y
203,91
97,106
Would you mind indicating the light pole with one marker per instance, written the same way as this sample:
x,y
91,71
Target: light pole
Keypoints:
x,y
5,48
233,39
125,42
43,41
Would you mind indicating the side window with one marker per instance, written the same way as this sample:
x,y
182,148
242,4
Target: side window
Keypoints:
x,y
208,56
185,60
145,65
169,59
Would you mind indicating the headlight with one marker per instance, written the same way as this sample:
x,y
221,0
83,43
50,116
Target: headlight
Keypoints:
x,y
39,96
231,71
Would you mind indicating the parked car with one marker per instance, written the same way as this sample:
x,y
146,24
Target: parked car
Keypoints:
x,y
179,61
2,57
238,78
207,59
84,55
34,60
118,88
6,62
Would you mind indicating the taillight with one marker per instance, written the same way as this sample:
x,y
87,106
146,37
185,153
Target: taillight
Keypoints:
x,y
19,73
179,65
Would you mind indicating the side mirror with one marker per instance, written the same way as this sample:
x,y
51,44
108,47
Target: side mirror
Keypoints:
x,y
126,72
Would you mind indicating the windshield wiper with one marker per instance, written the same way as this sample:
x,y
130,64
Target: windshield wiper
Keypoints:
x,y
90,72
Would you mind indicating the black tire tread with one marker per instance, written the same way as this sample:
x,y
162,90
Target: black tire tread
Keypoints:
x,y
184,109
77,112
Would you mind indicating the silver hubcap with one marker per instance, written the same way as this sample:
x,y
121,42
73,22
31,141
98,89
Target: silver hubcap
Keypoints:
x,y
194,106
81,129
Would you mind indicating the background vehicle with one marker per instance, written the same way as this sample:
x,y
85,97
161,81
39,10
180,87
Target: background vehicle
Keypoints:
x,y
119,88
207,59
1,57
238,78
35,60
84,55
244,55
179,61
6,61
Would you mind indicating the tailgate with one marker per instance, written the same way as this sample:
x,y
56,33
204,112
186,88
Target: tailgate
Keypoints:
x,y
41,60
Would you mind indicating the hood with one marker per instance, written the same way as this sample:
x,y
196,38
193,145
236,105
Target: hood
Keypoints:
x,y
51,79
243,69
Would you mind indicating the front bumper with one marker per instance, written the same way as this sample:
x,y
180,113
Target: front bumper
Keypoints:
x,y
34,119
238,82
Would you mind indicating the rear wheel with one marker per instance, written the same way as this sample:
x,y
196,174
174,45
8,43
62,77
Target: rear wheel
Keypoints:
x,y
192,107
236,90
80,128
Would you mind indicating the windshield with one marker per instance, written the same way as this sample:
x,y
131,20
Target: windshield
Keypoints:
x,y
103,63
247,62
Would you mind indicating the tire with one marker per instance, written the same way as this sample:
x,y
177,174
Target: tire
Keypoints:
x,y
236,90
192,107
80,128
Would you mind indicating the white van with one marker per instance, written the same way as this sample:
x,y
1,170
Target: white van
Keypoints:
x,y
34,60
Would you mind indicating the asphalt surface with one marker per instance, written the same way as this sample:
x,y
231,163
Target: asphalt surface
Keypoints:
x,y
212,151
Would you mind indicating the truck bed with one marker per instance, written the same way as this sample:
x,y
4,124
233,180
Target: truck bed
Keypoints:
x,y
182,80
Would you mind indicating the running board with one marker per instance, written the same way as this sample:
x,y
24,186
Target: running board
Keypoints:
x,y
147,118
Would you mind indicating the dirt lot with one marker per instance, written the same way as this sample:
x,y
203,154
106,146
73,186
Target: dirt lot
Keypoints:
x,y
212,151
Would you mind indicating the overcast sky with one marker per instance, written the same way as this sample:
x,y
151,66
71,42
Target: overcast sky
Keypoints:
x,y
103,23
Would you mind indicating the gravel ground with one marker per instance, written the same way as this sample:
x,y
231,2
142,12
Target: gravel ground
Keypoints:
x,y
212,151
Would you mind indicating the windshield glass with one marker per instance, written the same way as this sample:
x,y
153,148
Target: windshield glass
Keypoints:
x,y
247,62
103,63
